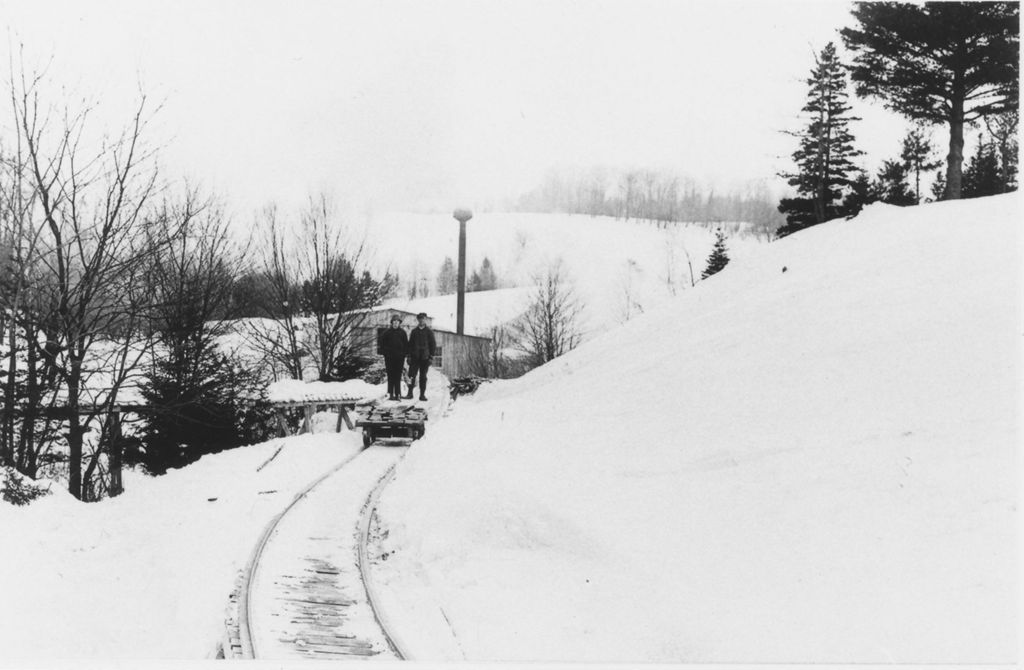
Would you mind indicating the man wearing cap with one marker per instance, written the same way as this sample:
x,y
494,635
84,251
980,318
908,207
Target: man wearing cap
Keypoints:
x,y
421,350
393,344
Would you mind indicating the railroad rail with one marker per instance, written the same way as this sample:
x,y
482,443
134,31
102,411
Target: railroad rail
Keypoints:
x,y
321,607
326,594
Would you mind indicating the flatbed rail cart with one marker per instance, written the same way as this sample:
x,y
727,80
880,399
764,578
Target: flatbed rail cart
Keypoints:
x,y
396,423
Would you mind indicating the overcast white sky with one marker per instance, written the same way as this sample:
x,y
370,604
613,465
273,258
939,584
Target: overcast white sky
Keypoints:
x,y
433,103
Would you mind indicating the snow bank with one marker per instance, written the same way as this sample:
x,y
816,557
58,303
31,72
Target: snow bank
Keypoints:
x,y
294,390
147,574
809,458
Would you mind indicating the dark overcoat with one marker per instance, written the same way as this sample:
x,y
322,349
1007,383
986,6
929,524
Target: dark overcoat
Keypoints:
x,y
394,343
422,345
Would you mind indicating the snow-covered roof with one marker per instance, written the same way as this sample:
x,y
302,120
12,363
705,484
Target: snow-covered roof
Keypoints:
x,y
484,309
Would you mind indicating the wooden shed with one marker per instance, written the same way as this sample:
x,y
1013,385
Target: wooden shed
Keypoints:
x,y
457,355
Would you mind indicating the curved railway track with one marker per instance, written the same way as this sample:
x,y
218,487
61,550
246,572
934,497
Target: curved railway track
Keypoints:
x,y
316,604
325,594
365,521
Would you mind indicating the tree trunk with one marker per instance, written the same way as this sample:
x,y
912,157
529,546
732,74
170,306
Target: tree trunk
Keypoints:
x,y
27,447
76,431
7,445
955,158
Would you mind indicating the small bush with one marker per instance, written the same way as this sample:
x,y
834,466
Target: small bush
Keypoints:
x,y
17,489
465,385
375,372
350,365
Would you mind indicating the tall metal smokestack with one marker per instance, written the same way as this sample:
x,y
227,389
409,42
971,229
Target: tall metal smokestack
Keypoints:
x,y
462,215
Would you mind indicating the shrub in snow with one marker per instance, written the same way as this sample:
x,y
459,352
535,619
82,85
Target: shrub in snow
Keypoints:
x,y
719,257
374,373
19,490
465,385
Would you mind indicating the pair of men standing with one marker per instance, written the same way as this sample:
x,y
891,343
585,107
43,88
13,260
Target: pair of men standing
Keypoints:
x,y
419,347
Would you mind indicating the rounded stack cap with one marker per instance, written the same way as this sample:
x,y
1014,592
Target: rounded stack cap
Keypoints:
x,y
462,215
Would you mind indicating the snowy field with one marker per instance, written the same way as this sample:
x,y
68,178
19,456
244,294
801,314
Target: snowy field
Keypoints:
x,y
619,268
811,457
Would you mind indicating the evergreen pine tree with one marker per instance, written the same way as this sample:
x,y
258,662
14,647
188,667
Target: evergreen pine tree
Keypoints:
x,y
939,186
891,185
196,396
488,280
447,278
861,194
983,176
719,257
824,156
941,62
1003,130
917,157
473,283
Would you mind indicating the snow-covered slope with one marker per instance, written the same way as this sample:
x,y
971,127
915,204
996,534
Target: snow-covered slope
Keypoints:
x,y
810,457
618,268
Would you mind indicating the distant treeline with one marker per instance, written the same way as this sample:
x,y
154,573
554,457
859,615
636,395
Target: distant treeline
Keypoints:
x,y
651,195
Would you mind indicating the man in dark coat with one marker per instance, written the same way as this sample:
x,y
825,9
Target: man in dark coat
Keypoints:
x,y
422,347
394,344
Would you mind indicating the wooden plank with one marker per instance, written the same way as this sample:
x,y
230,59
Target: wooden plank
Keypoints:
x,y
282,425
307,421
343,414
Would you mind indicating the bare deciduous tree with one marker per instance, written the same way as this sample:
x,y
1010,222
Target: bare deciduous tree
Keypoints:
x,y
550,326
90,201
319,291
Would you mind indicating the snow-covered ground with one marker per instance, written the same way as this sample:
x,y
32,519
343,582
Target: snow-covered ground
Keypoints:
x,y
619,268
811,457
147,575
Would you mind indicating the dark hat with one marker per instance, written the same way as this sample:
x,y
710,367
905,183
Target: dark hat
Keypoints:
x,y
421,315
395,317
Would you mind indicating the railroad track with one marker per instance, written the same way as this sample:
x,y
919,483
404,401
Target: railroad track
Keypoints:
x,y
304,592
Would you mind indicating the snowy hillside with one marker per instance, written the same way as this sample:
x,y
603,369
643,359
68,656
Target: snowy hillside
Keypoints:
x,y
619,267
810,457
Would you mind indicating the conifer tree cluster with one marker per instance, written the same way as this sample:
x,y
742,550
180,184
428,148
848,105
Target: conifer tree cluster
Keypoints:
x,y
950,63
483,279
